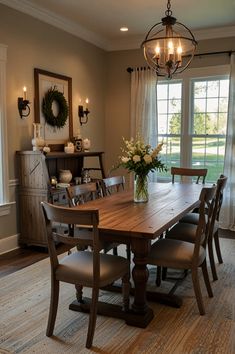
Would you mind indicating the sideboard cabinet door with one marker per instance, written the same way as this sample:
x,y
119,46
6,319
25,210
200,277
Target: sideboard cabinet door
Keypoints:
x,y
35,171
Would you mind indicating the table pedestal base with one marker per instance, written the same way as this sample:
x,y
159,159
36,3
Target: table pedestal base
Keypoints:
x,y
105,309
168,299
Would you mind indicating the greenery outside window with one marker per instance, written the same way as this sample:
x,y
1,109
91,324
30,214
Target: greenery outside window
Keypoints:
x,y
192,120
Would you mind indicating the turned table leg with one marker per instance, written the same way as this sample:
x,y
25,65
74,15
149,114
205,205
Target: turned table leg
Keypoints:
x,y
140,247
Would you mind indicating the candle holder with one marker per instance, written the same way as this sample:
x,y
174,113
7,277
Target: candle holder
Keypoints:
x,y
23,105
83,115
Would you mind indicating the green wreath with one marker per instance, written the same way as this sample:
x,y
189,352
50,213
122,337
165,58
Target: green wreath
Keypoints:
x,y
59,120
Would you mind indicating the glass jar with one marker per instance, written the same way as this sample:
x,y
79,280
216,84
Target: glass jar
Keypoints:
x,y
141,188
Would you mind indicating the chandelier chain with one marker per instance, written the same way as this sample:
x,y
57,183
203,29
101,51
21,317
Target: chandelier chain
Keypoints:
x,y
168,12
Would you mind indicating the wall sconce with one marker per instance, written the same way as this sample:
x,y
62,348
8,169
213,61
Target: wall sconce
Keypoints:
x,y
23,105
83,114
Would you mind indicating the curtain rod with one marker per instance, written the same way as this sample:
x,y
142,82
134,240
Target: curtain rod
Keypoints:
x,y
229,52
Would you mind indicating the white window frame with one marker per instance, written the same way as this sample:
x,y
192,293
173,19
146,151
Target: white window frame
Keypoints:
x,y
186,125
189,75
4,174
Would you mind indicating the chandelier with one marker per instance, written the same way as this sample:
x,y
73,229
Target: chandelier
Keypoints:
x,y
169,46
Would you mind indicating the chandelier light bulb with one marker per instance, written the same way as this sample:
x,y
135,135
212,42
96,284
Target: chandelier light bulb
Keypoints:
x,y
170,47
179,53
157,52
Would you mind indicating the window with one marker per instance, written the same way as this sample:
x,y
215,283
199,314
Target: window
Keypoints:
x,y
209,117
169,108
192,120
4,180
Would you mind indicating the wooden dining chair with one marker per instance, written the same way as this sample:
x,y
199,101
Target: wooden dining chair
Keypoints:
x,y
183,172
200,173
213,236
112,185
80,194
181,254
93,269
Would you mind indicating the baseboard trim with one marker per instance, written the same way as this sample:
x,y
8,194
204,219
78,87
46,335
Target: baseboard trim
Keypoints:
x,y
9,244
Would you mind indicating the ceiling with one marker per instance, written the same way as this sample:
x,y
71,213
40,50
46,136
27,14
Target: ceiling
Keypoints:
x,y
99,21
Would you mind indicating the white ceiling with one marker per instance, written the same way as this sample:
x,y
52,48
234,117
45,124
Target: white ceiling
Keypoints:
x,y
99,21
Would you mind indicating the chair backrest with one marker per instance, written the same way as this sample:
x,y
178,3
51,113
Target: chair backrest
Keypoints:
x,y
113,184
206,207
53,213
82,193
221,184
189,172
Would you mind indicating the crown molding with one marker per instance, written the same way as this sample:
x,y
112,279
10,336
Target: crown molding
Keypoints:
x,y
56,21
213,33
79,31
134,42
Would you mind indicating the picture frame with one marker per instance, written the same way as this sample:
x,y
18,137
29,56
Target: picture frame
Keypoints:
x,y
44,80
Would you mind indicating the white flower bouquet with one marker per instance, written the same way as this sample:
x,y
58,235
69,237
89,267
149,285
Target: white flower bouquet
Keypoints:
x,y
140,159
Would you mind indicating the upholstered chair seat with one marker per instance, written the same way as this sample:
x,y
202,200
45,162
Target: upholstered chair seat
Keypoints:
x,y
78,266
191,218
183,231
181,254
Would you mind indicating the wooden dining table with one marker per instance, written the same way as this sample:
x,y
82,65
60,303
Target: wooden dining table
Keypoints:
x,y
138,224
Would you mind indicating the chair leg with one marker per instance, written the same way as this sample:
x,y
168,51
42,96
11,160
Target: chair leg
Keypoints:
x,y
115,252
53,306
217,247
79,293
206,279
158,276
92,317
197,291
212,258
126,286
128,252
164,273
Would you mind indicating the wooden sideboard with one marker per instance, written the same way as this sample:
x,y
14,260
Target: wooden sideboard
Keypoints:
x,y
35,170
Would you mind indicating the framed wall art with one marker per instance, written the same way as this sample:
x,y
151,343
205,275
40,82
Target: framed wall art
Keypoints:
x,y
53,107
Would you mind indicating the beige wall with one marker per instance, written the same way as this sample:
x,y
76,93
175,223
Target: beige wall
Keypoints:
x,y
34,44
118,89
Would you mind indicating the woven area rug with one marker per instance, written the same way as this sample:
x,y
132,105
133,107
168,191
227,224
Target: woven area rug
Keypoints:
x,y
24,303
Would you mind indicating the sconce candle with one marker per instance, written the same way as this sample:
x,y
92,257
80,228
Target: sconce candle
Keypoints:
x,y
25,92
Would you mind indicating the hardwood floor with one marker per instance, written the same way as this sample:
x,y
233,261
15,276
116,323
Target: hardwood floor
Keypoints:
x,y
23,257
24,313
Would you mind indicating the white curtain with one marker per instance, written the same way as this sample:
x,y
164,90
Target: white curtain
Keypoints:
x,y
227,218
144,106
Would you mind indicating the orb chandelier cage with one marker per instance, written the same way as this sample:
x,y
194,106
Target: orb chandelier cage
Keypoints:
x,y
169,46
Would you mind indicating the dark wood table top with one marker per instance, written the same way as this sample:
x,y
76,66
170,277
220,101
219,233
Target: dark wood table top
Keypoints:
x,y
168,202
